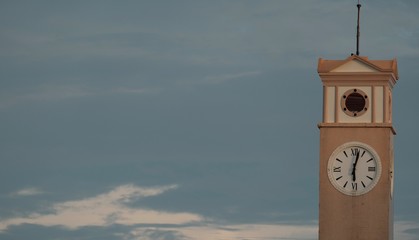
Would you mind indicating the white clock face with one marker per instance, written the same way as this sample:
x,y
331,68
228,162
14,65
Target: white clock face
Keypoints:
x,y
354,168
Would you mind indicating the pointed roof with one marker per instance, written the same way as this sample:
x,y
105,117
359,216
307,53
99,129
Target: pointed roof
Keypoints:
x,y
389,66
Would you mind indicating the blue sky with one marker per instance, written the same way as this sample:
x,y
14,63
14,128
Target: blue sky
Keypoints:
x,y
175,120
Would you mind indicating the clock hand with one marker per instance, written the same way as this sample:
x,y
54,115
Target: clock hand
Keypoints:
x,y
353,174
354,167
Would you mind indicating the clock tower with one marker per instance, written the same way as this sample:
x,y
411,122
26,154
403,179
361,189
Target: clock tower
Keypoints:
x,y
356,149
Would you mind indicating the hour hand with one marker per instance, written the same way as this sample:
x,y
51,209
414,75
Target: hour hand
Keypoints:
x,y
354,167
353,173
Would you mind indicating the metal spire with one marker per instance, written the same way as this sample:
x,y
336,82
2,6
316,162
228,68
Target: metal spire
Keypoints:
x,y
357,30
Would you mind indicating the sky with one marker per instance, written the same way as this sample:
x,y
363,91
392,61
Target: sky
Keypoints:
x,y
186,119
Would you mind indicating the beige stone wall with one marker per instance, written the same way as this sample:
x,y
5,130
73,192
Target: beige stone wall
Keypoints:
x,y
364,217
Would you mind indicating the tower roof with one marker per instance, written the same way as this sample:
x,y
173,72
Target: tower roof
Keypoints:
x,y
384,66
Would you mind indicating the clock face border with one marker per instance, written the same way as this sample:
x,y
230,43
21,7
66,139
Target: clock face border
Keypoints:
x,y
332,160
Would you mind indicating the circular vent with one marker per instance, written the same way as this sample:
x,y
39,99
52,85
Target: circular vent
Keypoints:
x,y
354,102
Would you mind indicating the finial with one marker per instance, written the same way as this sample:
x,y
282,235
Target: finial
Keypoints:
x,y
357,29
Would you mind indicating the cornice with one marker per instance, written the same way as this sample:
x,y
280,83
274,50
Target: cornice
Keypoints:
x,y
363,78
357,125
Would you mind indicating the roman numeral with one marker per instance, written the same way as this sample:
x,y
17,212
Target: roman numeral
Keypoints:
x,y
371,169
354,151
355,186
336,169
337,159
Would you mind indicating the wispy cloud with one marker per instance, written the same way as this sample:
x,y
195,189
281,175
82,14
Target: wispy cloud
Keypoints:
x,y
104,210
153,234
27,192
45,93
403,231
221,78
406,230
56,92
126,90
231,232
228,77
113,207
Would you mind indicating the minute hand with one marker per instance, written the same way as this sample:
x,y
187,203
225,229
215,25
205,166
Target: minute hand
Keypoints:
x,y
354,168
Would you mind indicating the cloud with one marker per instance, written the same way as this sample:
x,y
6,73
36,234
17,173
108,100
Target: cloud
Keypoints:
x,y
406,230
125,90
154,234
403,231
231,232
50,92
229,77
104,210
218,79
27,192
113,208
43,93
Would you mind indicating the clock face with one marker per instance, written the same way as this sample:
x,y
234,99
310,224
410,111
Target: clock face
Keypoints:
x,y
354,168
